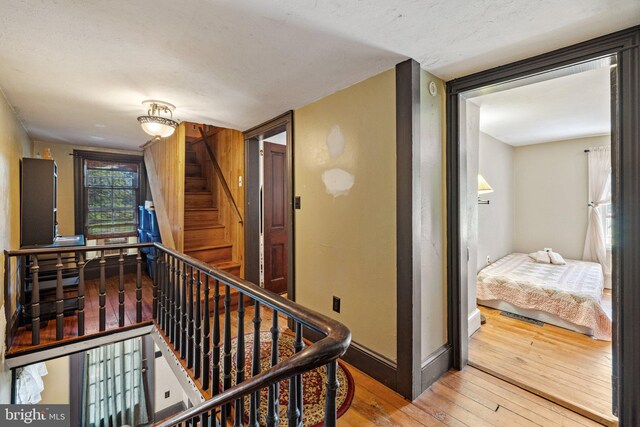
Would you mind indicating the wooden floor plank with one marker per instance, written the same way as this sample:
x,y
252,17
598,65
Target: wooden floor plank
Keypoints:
x,y
558,364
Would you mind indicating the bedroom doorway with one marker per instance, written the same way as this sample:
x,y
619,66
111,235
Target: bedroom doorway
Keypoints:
x,y
538,159
551,371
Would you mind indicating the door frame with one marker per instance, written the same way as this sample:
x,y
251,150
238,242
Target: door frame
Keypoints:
x,y
625,195
274,126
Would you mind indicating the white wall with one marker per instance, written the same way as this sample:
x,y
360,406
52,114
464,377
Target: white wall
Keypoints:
x,y
432,238
551,195
496,221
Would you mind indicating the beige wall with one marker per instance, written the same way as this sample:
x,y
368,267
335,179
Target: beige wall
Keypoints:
x,y
432,236
551,193
346,235
62,154
57,382
14,144
496,221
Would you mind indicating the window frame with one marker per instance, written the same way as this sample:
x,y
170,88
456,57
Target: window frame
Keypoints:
x,y
80,202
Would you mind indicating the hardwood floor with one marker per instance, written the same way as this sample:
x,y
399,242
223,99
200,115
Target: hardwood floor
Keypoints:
x,y
564,366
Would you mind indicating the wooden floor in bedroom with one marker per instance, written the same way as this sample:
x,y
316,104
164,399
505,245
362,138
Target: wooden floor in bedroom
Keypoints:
x,y
561,365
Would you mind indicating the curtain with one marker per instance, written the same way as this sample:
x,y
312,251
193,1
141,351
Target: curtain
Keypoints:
x,y
113,391
595,247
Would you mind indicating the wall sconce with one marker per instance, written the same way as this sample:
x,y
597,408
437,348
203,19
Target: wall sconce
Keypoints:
x,y
483,188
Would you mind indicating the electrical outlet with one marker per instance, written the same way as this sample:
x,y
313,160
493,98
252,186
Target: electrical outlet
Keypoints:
x,y
167,394
336,304
488,259
296,202
240,181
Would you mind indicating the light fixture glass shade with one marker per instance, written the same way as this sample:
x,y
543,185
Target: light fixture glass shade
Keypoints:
x,y
483,185
158,126
154,123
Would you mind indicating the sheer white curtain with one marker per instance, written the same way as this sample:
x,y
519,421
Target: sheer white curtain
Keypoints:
x,y
113,387
595,245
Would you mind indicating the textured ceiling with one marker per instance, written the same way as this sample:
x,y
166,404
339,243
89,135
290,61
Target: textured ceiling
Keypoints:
x,y
572,106
76,71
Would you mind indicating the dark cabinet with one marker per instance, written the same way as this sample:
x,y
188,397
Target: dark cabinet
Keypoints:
x,y
38,205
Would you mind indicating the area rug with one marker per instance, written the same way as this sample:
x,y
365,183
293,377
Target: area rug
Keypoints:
x,y
314,382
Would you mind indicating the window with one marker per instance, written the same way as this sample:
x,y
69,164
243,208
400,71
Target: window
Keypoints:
x,y
108,192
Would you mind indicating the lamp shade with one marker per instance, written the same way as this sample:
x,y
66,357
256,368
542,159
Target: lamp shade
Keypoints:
x,y
483,185
154,123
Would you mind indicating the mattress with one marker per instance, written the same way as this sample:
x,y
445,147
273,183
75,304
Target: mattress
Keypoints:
x,y
572,292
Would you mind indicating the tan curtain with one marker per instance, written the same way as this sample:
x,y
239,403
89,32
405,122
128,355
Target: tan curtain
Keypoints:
x,y
595,246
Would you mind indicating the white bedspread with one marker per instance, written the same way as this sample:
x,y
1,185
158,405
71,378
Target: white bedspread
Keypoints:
x,y
572,292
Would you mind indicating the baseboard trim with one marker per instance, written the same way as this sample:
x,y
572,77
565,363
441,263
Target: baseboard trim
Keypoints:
x,y
474,321
169,411
440,362
366,360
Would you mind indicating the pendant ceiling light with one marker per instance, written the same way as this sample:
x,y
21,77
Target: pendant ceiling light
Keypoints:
x,y
154,123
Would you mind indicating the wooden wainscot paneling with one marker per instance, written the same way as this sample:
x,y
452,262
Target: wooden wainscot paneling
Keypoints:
x,y
165,160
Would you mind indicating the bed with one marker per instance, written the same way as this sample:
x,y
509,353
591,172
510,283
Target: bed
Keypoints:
x,y
569,296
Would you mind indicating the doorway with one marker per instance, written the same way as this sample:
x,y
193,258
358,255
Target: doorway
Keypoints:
x,y
463,188
269,205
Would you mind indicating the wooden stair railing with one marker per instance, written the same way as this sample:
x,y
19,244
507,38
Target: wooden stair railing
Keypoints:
x,y
184,315
219,174
189,318
31,261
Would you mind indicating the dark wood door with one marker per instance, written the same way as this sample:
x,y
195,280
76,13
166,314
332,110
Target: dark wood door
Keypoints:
x,y
275,217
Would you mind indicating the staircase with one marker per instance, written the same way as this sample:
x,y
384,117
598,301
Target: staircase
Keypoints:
x,y
204,235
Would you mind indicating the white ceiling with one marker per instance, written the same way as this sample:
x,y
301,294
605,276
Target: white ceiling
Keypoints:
x,y
76,70
572,106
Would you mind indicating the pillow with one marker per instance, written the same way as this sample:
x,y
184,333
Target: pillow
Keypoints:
x,y
541,256
556,258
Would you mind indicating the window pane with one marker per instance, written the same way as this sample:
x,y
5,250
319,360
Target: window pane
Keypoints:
x,y
111,190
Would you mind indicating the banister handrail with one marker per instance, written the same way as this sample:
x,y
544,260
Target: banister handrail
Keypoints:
x,y
334,344
219,174
67,249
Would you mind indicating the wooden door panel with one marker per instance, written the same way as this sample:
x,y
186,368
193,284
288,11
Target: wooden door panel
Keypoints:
x,y
275,217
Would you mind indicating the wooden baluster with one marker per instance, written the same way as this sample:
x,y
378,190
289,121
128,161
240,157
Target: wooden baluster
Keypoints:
x,y
299,345
204,419
254,406
293,413
172,298
330,416
273,399
138,286
197,327
121,288
35,301
178,330
226,359
59,300
160,277
191,345
215,372
240,361
167,290
102,294
206,339
81,264
155,288
183,310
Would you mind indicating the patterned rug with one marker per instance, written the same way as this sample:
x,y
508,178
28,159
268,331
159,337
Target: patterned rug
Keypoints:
x,y
314,382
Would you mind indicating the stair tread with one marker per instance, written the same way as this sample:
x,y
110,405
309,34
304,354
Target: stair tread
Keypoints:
x,y
202,209
199,192
203,227
226,264
204,248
